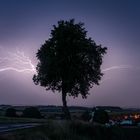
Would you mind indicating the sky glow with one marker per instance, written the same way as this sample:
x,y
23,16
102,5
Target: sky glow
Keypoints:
x,y
16,62
19,62
114,24
120,67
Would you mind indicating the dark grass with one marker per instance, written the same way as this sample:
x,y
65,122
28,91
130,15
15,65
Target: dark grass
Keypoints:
x,y
15,120
75,130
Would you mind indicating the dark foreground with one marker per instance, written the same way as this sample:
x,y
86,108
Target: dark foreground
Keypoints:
x,y
6,128
64,130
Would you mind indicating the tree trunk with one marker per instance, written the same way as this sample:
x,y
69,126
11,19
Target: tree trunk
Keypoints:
x,y
65,107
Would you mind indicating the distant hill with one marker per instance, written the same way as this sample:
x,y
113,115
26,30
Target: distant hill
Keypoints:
x,y
110,108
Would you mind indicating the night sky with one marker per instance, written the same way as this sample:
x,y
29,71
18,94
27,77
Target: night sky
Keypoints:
x,y
26,24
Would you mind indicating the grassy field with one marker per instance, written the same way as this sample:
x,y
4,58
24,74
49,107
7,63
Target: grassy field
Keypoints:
x,y
75,130
7,120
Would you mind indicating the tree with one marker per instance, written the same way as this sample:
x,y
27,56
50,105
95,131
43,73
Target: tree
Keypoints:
x,y
101,116
10,112
31,112
69,62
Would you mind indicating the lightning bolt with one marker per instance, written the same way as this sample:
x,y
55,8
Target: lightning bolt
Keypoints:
x,y
118,67
16,62
20,63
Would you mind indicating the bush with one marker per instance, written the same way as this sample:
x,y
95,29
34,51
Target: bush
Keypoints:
x,y
31,112
101,116
86,116
10,112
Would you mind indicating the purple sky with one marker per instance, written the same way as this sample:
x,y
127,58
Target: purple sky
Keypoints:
x,y
26,24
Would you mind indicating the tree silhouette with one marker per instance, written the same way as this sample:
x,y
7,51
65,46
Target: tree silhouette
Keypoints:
x,y
69,62
101,116
10,112
31,112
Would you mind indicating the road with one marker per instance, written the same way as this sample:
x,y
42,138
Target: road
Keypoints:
x,y
4,128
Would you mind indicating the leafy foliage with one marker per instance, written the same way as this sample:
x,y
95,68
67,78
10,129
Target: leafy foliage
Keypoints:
x,y
31,112
101,116
69,60
10,112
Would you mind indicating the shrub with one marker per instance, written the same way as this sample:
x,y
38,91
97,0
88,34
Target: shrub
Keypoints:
x,y
31,112
101,116
86,116
10,112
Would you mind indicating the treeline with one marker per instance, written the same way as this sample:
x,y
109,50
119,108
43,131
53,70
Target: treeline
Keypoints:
x,y
29,112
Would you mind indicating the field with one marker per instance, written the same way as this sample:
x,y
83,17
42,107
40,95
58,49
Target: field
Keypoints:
x,y
7,120
53,127
75,130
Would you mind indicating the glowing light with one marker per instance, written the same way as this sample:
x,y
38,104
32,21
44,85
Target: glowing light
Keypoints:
x,y
136,116
125,117
19,62
117,67
16,62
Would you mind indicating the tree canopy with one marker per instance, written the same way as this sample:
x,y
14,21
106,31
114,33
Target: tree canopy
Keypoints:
x,y
10,112
101,116
31,112
69,61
